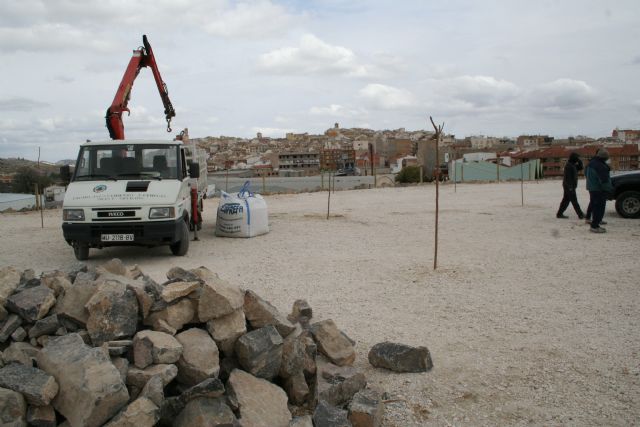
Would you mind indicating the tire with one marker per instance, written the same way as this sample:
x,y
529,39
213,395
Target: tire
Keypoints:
x,y
628,204
181,247
81,251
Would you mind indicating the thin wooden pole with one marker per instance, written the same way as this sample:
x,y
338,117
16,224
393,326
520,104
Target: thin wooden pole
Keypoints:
x,y
226,182
438,130
498,168
522,182
264,184
455,178
329,197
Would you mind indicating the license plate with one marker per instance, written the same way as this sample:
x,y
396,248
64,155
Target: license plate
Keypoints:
x,y
117,237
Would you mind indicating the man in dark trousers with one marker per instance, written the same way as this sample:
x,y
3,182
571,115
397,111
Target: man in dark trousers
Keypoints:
x,y
569,185
599,185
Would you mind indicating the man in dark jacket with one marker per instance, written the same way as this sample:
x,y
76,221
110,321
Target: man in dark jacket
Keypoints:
x,y
569,185
599,185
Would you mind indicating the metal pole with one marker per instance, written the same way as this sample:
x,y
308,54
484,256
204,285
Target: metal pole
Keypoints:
x,y
263,183
226,181
498,168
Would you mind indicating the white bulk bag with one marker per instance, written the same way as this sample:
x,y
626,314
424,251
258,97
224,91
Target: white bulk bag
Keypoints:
x,y
242,215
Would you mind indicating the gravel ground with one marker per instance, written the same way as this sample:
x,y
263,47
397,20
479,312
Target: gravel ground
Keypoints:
x,y
530,320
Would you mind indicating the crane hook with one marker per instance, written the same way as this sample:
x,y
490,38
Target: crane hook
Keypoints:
x,y
169,125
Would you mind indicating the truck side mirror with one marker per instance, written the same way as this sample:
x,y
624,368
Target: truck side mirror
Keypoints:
x,y
194,170
65,174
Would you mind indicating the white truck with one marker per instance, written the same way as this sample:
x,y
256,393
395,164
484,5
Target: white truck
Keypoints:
x,y
125,192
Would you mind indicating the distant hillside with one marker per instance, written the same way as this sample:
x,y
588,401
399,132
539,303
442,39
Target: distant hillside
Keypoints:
x,y
12,165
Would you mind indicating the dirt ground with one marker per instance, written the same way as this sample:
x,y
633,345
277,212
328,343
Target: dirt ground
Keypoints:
x,y
530,320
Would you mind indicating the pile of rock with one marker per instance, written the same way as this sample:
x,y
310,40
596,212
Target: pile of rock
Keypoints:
x,y
110,346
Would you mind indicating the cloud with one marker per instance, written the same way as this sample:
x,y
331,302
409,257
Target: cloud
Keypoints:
x,y
334,110
21,104
476,91
636,60
271,132
49,37
387,97
250,20
563,95
63,79
313,56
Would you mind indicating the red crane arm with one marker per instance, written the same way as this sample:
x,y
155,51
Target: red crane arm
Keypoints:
x,y
142,57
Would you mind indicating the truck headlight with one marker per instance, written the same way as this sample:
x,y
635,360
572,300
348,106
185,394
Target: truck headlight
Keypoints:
x,y
73,214
157,213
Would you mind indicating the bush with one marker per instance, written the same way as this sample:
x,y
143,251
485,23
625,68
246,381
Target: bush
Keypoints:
x,y
408,174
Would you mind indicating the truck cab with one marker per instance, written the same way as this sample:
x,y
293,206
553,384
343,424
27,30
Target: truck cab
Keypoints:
x,y
129,192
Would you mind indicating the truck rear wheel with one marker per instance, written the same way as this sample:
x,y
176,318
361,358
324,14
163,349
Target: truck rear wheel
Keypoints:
x,y
181,247
628,204
81,251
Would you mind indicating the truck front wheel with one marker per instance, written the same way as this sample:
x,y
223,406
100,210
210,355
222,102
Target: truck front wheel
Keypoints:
x,y
81,251
181,247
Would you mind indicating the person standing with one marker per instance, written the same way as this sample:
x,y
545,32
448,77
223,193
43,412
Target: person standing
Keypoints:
x,y
599,185
569,185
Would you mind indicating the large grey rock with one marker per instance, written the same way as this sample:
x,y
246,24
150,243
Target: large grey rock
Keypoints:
x,y
9,325
20,352
154,391
261,313
180,274
113,313
155,347
218,298
227,329
301,311
41,416
304,421
175,315
45,326
200,357
9,281
210,388
333,343
259,402
400,357
293,355
91,389
139,377
13,409
35,385
142,412
205,412
259,352
71,303
32,303
122,365
19,334
297,388
173,291
3,312
366,409
56,280
336,385
326,415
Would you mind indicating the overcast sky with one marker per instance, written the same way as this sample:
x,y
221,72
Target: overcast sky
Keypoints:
x,y
500,68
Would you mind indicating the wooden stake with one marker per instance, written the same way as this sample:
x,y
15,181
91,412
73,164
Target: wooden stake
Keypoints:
x,y
522,182
438,130
329,197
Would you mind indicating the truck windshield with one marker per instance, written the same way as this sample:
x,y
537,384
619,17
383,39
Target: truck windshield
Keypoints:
x,y
127,161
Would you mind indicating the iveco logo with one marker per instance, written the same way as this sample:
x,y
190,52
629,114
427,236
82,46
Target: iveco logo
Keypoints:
x,y
115,213
99,188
